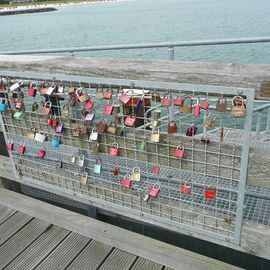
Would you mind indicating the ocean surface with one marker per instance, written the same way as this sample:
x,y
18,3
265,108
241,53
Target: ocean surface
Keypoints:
x,y
144,21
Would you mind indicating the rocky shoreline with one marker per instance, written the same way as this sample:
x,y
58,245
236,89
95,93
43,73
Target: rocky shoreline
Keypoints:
x,y
26,10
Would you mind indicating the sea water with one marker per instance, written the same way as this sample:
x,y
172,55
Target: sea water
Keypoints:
x,y
145,21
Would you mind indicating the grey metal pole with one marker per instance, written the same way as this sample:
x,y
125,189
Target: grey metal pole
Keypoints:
x,y
258,126
171,53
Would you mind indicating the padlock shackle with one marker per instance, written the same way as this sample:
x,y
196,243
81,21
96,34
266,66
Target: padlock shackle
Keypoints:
x,y
155,131
81,157
136,169
180,147
46,104
115,145
239,98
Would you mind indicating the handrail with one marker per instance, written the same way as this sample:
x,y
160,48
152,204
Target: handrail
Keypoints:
x,y
169,45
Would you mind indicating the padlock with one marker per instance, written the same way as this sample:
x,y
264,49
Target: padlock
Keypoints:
x,y
197,108
124,98
205,104
155,96
14,87
40,137
84,179
80,160
172,127
155,135
155,169
166,101
54,122
82,96
145,197
95,148
73,159
76,133
238,109
32,92
108,108
155,121
114,150
187,108
89,104
191,131
210,120
43,90
126,181
59,164
221,105
10,145
60,88
99,93
50,90
34,106
142,146
179,152
17,115
101,126
50,121
93,135
72,100
130,121
140,102
65,110
107,94
210,193
46,108
116,109
136,174
84,129
111,129
71,89
55,141
178,101
21,149
31,133
41,153
90,116
59,128
154,190
115,171
19,105
98,166
186,188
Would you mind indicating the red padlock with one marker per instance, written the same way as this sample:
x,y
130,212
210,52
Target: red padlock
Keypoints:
x,y
154,190
210,193
179,152
166,101
126,182
155,169
50,122
89,104
172,127
10,145
54,122
124,99
21,149
41,153
107,94
31,91
197,108
114,150
179,101
115,171
205,104
191,131
108,108
186,188
19,105
130,120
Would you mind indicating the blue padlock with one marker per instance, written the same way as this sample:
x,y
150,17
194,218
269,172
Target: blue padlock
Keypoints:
x,y
3,106
140,103
55,141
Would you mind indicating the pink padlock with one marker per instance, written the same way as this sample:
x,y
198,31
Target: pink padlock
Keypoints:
x,y
21,149
205,104
108,108
41,153
154,190
89,104
166,101
10,145
197,108
114,150
126,182
179,152
155,169
31,91
186,188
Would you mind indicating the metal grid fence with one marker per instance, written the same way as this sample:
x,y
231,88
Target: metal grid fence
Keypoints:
x,y
215,166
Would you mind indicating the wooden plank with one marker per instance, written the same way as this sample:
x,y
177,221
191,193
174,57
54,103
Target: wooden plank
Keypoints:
x,y
21,240
133,243
238,75
143,264
5,213
39,249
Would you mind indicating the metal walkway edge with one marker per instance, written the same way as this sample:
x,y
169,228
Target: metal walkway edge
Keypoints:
x,y
37,235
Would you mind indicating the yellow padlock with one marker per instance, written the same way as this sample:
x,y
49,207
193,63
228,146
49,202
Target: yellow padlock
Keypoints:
x,y
84,179
136,174
155,135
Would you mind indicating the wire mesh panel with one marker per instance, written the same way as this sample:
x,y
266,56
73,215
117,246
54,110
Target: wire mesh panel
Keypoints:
x,y
143,148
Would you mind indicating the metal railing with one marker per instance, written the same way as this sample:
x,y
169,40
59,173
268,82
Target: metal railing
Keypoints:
x,y
170,45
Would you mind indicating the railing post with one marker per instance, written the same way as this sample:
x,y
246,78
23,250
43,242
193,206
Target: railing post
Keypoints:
x,y
268,121
171,53
258,126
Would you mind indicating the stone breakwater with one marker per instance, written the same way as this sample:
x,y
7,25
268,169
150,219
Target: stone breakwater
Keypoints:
x,y
26,10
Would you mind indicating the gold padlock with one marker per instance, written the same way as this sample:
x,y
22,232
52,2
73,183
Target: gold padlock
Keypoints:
x,y
82,96
65,110
84,179
136,174
76,133
99,93
238,107
210,121
111,129
187,108
221,105
155,135
31,133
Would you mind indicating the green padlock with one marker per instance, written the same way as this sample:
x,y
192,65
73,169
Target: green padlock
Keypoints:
x,y
17,114
98,166
142,145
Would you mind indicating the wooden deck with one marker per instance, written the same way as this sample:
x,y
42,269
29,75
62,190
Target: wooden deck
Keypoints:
x,y
28,242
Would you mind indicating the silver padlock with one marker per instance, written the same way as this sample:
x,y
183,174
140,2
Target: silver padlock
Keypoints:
x,y
145,197
40,137
80,160
73,159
